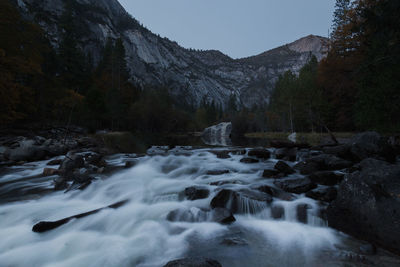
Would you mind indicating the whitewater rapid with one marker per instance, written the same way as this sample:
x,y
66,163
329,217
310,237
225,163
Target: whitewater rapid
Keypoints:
x,y
138,233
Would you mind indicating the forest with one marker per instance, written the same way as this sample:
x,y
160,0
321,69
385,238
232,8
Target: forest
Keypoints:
x,y
355,87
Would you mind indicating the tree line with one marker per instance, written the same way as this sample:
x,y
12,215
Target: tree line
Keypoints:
x,y
356,87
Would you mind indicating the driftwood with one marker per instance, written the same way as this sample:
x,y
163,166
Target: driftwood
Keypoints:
x,y
44,226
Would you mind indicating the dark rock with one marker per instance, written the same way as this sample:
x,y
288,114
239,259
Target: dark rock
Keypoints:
x,y
326,177
372,144
297,186
283,167
341,151
193,262
327,194
259,153
71,162
277,212
81,175
368,249
275,192
270,173
368,204
307,167
322,162
301,213
281,144
222,216
289,154
233,200
249,160
96,160
195,192
130,164
54,162
60,183
221,154
50,172
217,172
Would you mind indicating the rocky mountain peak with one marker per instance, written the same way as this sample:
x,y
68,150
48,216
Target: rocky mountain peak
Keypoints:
x,y
191,75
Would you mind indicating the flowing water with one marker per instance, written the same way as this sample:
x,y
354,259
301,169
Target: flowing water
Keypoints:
x,y
139,234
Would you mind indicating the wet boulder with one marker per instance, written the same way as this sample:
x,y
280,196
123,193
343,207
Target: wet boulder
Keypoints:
x,y
242,201
326,177
249,160
196,192
302,213
289,154
277,212
368,204
297,186
283,167
326,194
221,154
259,153
71,162
193,262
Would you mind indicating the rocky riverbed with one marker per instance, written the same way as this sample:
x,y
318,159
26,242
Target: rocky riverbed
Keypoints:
x,y
284,205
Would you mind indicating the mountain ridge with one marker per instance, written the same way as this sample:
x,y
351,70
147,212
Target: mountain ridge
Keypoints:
x,y
191,75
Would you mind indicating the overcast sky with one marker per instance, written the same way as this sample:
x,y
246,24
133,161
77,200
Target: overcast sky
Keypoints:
x,y
238,28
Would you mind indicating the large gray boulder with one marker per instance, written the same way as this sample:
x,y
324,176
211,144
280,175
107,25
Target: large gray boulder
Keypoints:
x,y
368,204
218,135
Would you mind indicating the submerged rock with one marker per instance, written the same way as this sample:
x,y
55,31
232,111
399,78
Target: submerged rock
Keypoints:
x,y
243,201
249,160
193,262
195,192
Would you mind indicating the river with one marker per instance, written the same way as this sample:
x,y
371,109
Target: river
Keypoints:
x,y
139,234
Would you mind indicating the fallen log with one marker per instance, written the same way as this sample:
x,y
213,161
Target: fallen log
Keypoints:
x,y
45,226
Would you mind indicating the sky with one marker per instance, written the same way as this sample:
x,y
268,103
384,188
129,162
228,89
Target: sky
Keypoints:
x,y
238,28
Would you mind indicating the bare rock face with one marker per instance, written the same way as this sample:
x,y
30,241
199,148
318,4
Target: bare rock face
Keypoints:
x,y
157,61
